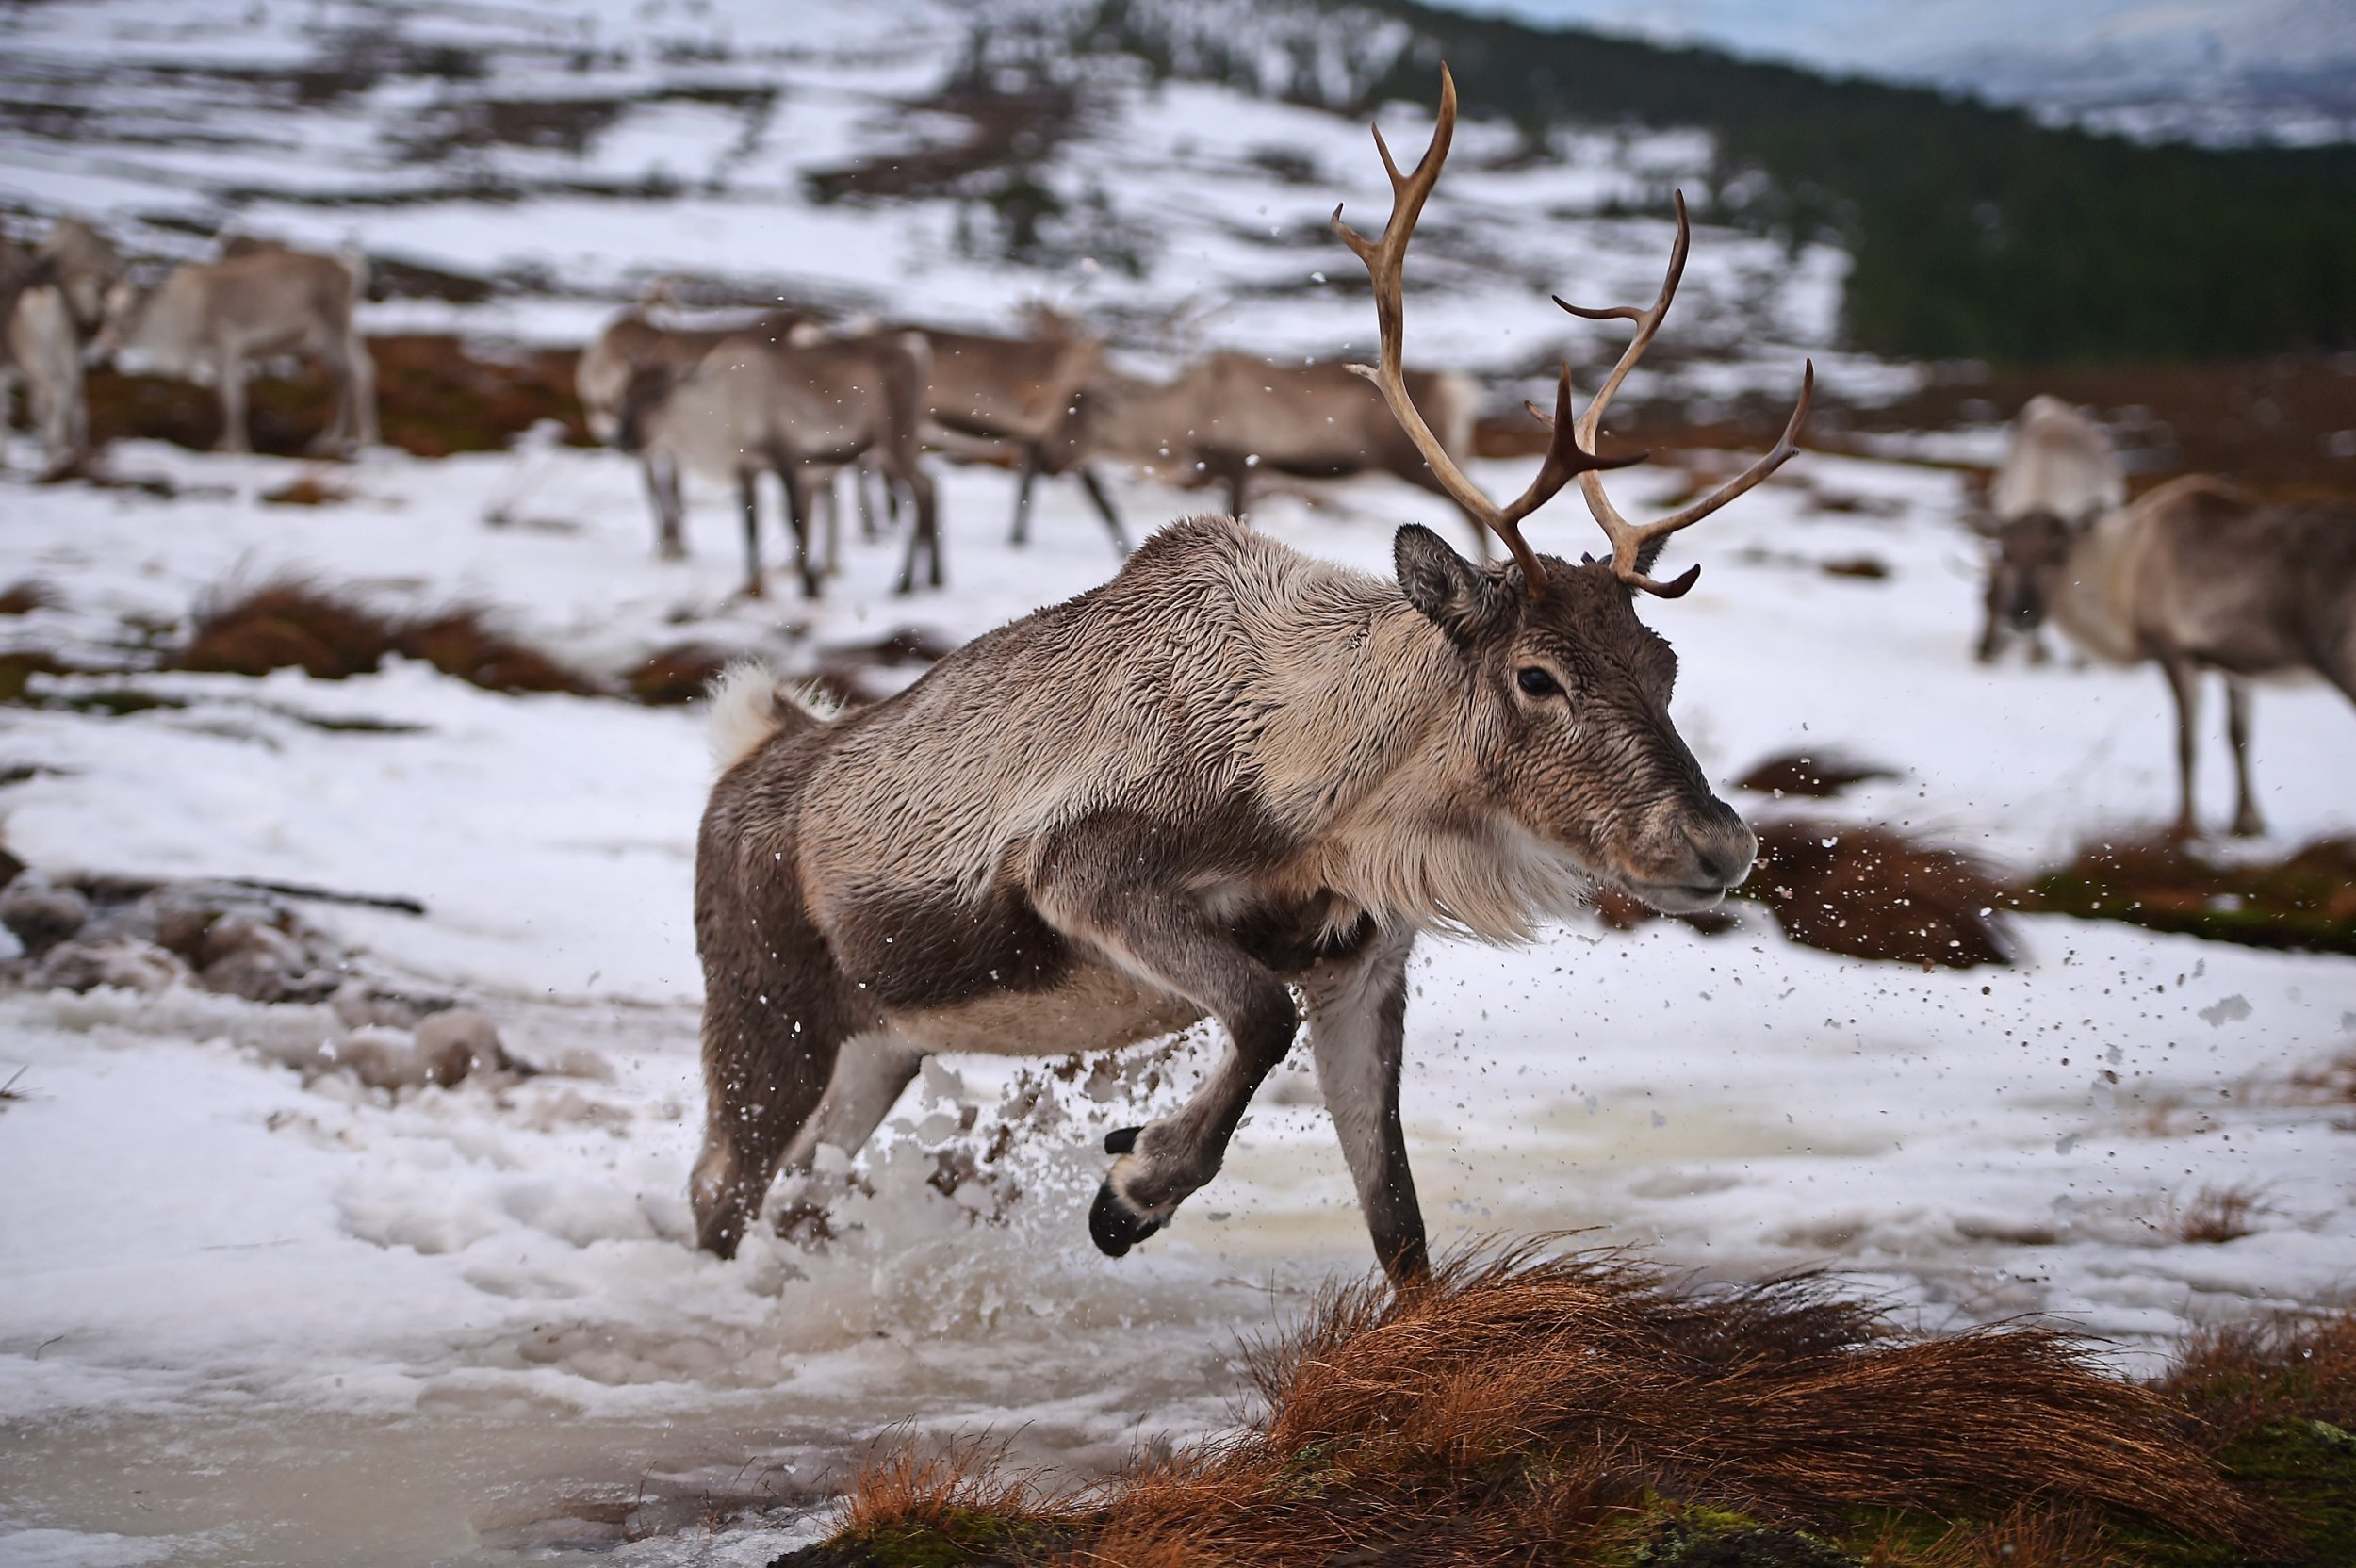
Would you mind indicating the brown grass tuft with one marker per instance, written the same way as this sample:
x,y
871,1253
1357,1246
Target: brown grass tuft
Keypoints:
x,y
2239,1377
306,490
25,596
1871,892
678,675
1522,1408
291,623
2215,1215
287,622
1816,775
464,642
2304,902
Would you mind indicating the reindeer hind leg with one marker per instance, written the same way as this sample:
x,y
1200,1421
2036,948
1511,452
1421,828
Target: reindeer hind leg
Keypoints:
x,y
2247,822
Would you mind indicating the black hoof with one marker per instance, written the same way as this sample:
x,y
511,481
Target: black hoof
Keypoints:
x,y
1121,1140
1114,1226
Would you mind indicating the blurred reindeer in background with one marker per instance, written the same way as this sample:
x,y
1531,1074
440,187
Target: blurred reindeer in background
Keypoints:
x,y
260,302
1022,391
1231,417
633,342
52,300
799,409
2058,475
2197,574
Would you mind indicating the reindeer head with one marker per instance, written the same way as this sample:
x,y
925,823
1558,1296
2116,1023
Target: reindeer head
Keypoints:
x,y
642,395
1569,691
2026,558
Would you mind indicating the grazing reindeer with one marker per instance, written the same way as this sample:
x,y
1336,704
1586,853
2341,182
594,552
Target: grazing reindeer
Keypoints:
x,y
2193,576
1231,769
631,343
1231,416
795,410
222,317
51,301
1021,390
2058,469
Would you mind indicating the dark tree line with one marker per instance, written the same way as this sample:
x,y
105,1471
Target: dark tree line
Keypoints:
x,y
1975,231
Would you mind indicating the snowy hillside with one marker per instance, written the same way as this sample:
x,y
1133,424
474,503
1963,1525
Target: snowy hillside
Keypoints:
x,y
259,1305
933,162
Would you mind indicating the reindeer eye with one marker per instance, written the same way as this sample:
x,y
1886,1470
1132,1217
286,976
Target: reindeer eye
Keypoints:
x,y
1536,682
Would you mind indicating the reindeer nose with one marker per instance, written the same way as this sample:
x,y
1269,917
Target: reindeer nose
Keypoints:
x,y
1724,850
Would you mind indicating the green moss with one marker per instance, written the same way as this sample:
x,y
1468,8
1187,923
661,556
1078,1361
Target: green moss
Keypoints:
x,y
960,1538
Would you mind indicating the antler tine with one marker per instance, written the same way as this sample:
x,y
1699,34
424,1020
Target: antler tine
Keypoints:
x,y
1385,262
1630,543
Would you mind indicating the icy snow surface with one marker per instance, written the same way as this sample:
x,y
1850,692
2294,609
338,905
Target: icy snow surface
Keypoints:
x,y
265,1320
244,1320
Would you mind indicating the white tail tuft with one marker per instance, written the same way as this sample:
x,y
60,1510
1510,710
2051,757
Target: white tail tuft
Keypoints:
x,y
748,706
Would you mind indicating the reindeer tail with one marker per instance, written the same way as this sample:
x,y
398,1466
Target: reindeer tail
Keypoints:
x,y
749,705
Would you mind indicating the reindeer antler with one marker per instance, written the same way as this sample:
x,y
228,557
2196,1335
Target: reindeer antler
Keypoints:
x,y
1570,453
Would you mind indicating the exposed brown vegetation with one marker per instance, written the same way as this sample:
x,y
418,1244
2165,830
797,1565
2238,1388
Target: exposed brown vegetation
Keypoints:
x,y
2238,1378
435,395
25,596
289,623
677,675
1871,892
304,490
2215,1215
1585,1409
1816,775
2304,902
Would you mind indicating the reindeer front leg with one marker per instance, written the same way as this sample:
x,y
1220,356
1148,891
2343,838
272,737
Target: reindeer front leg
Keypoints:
x,y
1357,1028
1098,886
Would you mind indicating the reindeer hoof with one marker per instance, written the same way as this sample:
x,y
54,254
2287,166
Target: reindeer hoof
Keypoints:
x,y
1113,1225
1122,1140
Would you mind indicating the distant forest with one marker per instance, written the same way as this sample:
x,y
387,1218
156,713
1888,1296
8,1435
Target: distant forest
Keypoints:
x,y
1976,232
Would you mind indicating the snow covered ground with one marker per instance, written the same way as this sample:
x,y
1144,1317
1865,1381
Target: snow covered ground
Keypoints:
x,y
248,1319
252,1321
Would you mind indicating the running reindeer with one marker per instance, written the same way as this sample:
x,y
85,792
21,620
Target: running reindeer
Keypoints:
x,y
1230,770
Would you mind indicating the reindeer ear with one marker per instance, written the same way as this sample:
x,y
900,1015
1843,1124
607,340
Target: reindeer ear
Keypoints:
x,y
1440,582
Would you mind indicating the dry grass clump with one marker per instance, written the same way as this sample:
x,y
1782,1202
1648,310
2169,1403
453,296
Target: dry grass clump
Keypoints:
x,y
1815,776
1588,1409
675,676
291,623
2303,902
25,596
2215,1215
2240,1378
306,490
1873,892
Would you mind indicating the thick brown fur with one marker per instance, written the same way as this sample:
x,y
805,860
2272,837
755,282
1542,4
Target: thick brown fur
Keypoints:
x,y
1230,768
